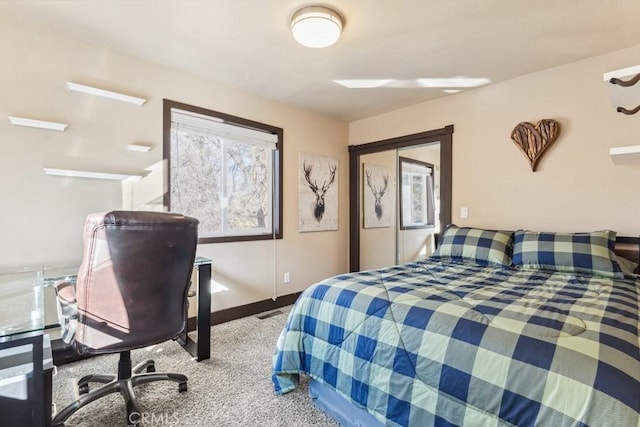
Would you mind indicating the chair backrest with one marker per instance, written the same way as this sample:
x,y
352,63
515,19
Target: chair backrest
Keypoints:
x,y
132,285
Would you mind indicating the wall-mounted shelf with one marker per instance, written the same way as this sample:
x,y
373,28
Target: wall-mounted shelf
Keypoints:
x,y
90,174
140,148
40,124
625,155
624,89
75,87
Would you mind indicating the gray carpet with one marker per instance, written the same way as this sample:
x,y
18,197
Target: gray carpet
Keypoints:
x,y
233,388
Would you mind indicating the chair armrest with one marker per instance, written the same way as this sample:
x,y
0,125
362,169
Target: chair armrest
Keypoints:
x,y
65,291
67,309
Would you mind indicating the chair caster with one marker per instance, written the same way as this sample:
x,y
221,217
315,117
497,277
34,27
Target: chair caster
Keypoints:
x,y
182,387
151,368
83,389
133,424
133,415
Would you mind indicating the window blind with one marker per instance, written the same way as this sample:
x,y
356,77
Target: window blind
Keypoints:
x,y
414,168
193,122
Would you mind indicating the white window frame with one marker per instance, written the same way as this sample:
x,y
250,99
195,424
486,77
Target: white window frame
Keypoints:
x,y
411,168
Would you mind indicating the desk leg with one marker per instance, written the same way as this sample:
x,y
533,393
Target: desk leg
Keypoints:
x,y
201,347
203,321
38,409
37,401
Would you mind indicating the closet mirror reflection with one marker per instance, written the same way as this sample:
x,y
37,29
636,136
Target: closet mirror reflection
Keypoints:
x,y
400,195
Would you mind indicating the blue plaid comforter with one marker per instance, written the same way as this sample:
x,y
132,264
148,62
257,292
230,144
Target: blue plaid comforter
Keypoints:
x,y
432,343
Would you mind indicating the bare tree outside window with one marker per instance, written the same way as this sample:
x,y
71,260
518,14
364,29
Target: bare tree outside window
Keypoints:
x,y
225,174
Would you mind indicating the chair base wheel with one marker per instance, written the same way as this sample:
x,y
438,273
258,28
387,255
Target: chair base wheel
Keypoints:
x,y
133,417
124,386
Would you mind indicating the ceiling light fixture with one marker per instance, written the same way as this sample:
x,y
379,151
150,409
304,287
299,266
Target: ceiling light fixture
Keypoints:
x,y
446,82
453,82
21,121
75,87
316,26
364,83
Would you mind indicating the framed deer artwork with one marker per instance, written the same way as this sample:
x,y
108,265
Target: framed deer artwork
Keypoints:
x,y
318,193
378,203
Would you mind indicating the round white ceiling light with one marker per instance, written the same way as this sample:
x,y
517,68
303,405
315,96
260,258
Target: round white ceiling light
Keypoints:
x,y
316,26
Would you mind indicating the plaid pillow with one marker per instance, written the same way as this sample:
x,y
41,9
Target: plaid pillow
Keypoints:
x,y
484,247
585,253
627,266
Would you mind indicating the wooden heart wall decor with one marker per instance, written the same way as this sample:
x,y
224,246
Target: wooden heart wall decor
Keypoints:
x,y
533,140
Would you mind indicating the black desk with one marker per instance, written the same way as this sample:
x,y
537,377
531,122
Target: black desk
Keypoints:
x,y
200,348
22,324
21,351
197,343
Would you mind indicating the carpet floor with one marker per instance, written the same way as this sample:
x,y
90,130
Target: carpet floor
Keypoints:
x,y
233,388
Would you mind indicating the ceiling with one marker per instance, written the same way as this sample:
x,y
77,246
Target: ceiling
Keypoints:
x,y
247,43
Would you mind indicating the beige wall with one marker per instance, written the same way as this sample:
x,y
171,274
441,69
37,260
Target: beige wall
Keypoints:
x,y
576,186
42,216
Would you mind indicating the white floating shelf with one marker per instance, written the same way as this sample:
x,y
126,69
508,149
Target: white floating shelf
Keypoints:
x,y
139,148
625,155
40,124
90,174
621,73
75,87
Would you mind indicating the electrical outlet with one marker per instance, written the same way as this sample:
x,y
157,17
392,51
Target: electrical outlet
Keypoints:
x,y
287,277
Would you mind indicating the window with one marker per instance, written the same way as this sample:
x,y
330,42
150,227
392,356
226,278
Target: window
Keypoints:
x,y
416,196
224,170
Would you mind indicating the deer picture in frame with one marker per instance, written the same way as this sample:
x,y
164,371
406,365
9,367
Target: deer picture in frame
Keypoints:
x,y
318,208
319,190
378,192
377,206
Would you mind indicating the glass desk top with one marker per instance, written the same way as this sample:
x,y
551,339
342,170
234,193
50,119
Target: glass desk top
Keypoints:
x,y
200,260
20,303
21,297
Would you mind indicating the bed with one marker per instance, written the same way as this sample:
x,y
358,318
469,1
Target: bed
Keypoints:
x,y
497,328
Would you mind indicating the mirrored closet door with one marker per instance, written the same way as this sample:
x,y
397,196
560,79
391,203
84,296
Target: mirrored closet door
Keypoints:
x,y
400,194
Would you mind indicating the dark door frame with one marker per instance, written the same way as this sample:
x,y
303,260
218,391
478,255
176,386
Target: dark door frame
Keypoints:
x,y
443,136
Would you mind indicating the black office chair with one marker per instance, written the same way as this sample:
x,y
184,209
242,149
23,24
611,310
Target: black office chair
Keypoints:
x,y
131,292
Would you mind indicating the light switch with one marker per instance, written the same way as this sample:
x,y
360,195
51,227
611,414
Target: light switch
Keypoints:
x,y
464,212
